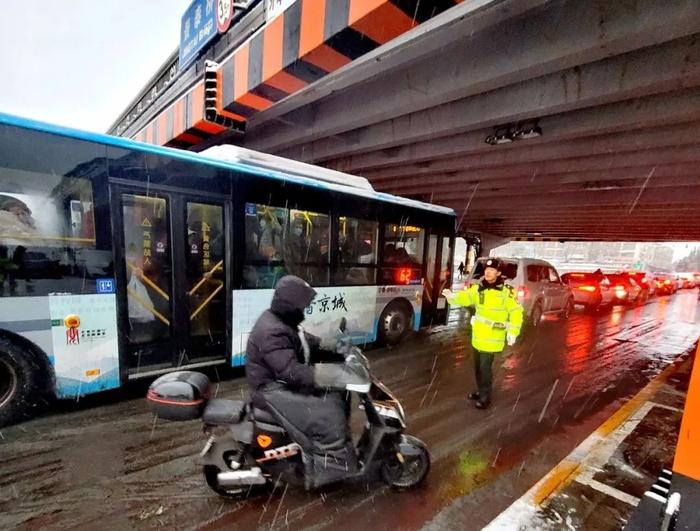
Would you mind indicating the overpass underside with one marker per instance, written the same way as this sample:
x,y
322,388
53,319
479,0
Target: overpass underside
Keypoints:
x,y
613,88
561,119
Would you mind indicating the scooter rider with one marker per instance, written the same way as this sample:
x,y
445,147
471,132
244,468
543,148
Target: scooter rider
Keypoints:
x,y
497,321
279,359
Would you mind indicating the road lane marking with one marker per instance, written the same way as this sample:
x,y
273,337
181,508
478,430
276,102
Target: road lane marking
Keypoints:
x,y
664,406
610,491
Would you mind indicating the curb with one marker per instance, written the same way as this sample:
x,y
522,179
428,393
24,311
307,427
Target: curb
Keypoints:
x,y
568,469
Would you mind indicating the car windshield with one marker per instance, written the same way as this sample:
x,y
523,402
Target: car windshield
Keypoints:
x,y
575,278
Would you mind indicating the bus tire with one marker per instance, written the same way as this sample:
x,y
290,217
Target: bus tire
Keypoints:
x,y
19,378
395,322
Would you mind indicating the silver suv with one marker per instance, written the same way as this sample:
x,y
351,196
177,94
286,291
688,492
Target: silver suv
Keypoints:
x,y
538,287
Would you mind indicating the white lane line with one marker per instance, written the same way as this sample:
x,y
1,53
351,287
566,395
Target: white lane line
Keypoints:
x,y
664,406
597,458
610,491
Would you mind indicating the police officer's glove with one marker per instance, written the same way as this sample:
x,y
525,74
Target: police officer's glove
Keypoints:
x,y
510,339
448,294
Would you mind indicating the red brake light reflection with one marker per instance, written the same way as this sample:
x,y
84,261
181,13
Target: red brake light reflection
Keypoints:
x,y
522,293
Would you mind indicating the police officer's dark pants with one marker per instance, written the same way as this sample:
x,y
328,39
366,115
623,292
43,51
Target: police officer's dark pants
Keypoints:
x,y
483,370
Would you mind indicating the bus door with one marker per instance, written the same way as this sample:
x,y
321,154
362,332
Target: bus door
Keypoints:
x,y
437,276
173,291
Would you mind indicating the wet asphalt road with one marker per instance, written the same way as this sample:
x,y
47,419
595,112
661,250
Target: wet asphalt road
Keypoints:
x,y
104,463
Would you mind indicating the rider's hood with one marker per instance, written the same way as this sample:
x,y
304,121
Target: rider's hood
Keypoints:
x,y
292,296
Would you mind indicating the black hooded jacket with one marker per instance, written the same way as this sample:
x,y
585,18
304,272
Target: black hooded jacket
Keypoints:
x,y
274,352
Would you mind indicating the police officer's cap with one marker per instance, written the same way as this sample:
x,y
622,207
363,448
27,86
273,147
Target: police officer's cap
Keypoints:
x,y
493,262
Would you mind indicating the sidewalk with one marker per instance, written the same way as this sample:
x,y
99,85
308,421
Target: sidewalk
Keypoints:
x,y
599,484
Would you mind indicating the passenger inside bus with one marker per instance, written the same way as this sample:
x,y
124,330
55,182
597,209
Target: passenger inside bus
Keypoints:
x,y
270,236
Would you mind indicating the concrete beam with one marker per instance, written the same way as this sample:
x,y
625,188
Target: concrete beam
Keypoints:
x,y
468,18
620,233
596,179
551,145
563,36
690,183
585,217
629,159
667,197
654,111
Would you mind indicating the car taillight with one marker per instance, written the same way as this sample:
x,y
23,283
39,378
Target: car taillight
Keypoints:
x,y
587,288
667,281
522,293
620,291
403,276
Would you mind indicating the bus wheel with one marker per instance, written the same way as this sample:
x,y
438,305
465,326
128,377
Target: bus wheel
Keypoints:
x,y
394,323
18,380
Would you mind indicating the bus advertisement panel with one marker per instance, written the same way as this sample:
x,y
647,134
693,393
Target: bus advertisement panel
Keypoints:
x,y
360,305
85,343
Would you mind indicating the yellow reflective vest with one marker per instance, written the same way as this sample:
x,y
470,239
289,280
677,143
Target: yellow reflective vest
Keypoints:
x,y
497,313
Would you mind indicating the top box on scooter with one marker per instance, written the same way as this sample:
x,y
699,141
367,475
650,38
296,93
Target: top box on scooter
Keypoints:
x,y
180,395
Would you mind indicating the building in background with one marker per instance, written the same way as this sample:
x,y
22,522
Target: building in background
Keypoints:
x,y
607,255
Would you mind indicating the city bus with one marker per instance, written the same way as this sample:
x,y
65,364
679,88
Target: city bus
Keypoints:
x,y
121,260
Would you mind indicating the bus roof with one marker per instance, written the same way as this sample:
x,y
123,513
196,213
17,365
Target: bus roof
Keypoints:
x,y
243,160
231,153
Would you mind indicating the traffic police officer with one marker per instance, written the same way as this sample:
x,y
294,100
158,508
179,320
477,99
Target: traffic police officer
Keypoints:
x,y
497,321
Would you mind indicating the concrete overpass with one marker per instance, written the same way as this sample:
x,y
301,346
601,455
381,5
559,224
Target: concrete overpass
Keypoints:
x,y
590,109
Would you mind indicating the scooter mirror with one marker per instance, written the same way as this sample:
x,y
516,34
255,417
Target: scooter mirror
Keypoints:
x,y
343,324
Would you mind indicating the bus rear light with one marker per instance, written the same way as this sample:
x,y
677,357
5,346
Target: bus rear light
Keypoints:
x,y
587,288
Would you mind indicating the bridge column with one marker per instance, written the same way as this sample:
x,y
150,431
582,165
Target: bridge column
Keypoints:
x,y
491,241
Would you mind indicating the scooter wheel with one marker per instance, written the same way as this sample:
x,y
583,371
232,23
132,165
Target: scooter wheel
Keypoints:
x,y
412,471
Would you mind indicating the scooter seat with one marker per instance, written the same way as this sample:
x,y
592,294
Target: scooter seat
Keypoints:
x,y
260,415
220,411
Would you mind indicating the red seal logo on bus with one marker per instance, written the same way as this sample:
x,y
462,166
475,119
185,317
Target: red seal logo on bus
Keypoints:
x,y
72,323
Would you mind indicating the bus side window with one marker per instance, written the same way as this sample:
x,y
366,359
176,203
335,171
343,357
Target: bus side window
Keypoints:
x,y
47,234
307,246
357,252
403,254
264,250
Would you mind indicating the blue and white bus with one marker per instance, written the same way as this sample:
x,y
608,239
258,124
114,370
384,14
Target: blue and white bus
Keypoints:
x,y
121,260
